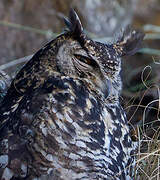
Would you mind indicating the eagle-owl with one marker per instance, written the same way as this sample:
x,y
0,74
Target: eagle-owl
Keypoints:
x,y
61,118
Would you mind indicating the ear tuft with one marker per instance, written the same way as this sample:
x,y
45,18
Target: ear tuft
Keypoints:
x,y
130,42
74,23
67,23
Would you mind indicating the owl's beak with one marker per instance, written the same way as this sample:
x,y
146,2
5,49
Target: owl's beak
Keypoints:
x,y
108,88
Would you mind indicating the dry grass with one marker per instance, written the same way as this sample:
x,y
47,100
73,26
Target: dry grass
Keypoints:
x,y
148,158
148,152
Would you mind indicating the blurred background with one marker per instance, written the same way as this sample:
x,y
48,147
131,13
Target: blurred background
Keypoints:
x,y
25,26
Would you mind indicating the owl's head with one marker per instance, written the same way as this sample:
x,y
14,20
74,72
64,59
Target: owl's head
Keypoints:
x,y
79,56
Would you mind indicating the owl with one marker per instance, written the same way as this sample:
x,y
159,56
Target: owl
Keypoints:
x,y
61,118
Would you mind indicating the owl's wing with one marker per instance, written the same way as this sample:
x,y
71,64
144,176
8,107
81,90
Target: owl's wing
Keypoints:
x,y
26,143
12,146
23,84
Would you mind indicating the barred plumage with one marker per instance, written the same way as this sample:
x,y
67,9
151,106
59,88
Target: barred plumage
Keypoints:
x,y
61,117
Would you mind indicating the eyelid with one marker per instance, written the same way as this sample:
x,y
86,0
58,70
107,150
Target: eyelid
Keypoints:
x,y
82,58
86,60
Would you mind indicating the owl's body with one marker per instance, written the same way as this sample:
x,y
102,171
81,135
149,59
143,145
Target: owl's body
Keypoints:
x,y
61,118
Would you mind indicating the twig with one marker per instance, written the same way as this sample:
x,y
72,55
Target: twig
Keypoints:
x,y
149,154
150,51
151,27
47,33
15,62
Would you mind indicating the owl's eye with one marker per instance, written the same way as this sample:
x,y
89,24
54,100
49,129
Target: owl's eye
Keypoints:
x,y
83,59
86,60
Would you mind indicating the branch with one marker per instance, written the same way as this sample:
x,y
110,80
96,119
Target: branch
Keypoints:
x,y
15,62
47,33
